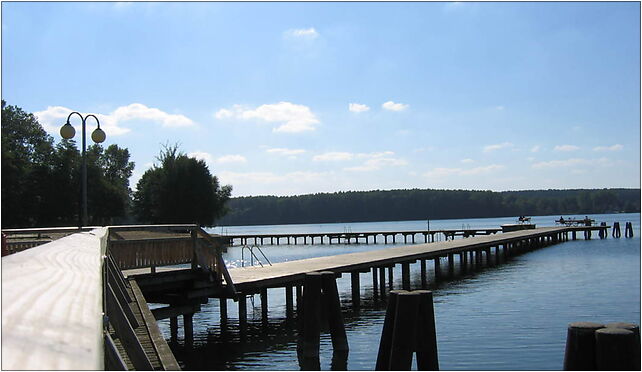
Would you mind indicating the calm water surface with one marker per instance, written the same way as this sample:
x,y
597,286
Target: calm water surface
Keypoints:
x,y
510,317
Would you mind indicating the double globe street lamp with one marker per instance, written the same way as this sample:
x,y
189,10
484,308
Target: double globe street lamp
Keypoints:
x,y
67,131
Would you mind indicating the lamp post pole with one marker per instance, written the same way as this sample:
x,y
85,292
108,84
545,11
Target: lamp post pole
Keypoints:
x,y
67,131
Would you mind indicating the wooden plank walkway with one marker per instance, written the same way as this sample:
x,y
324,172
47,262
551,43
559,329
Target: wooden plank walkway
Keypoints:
x,y
279,274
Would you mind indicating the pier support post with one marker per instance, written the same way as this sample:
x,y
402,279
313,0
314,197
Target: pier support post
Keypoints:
x,y
463,259
189,328
356,289
309,335
333,309
264,305
424,282
489,259
375,283
382,282
289,302
242,311
390,277
580,346
615,350
451,264
628,231
616,233
574,234
437,269
405,276
173,328
222,305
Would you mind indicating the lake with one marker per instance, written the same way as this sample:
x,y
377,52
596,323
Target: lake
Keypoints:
x,y
510,317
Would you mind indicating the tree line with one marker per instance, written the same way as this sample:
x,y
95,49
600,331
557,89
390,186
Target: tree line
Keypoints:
x,y
421,204
41,182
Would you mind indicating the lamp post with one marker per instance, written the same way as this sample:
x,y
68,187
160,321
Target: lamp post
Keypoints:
x,y
67,131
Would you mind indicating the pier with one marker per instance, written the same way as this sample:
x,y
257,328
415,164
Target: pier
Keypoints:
x,y
356,237
55,294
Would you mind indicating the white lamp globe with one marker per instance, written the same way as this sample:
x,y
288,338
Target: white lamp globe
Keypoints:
x,y
67,131
98,135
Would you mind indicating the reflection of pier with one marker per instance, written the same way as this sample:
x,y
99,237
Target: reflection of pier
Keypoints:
x,y
359,237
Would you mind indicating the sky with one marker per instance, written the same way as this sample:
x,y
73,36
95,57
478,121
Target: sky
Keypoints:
x,y
297,98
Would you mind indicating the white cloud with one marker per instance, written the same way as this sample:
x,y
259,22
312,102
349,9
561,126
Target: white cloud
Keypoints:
x,y
565,148
498,146
394,106
571,163
200,155
535,148
376,164
302,33
499,108
467,161
334,156
446,172
293,118
209,158
231,159
285,152
616,147
55,116
358,107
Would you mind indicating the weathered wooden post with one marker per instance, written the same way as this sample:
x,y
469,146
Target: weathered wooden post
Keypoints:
x,y
423,270
242,311
615,349
264,305
383,356
356,289
223,308
310,330
628,231
375,283
173,328
289,302
636,347
437,269
382,282
189,328
333,309
616,233
404,334
390,277
451,264
405,275
426,341
409,327
580,346
602,232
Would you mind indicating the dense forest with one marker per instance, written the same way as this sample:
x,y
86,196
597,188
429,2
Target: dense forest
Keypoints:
x,y
419,204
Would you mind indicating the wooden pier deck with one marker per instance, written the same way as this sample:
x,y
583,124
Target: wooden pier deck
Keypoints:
x,y
279,274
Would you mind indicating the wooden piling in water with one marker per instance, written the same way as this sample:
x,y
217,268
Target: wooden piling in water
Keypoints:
x,y
382,282
636,346
580,346
333,309
405,276
222,305
423,269
173,328
264,305
242,311
375,283
451,264
356,289
309,335
628,231
616,233
188,327
437,269
390,277
614,350
408,328
289,302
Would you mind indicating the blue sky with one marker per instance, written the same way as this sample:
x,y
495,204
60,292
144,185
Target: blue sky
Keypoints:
x,y
294,98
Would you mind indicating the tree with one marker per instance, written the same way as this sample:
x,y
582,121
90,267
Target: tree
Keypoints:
x,y
41,182
26,165
180,190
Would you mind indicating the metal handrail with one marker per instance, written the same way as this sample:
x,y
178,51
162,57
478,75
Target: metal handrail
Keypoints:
x,y
253,255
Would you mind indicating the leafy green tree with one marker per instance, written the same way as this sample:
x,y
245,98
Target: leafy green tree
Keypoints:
x,y
41,182
180,190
